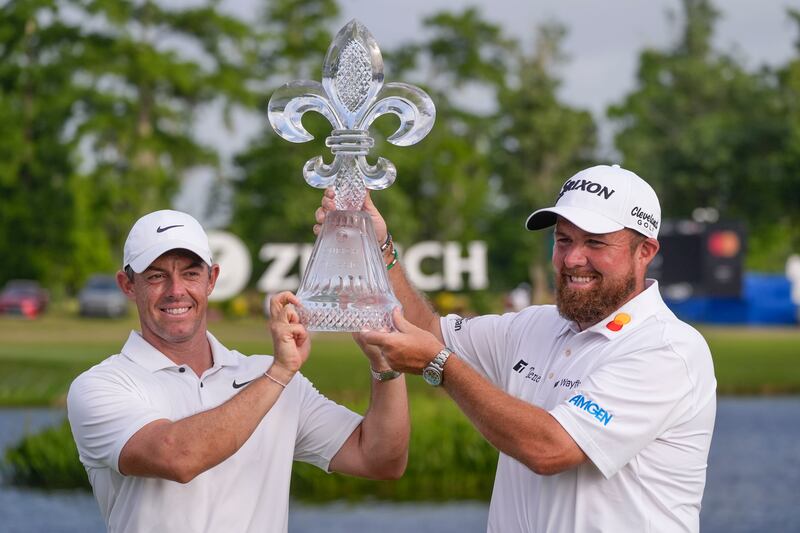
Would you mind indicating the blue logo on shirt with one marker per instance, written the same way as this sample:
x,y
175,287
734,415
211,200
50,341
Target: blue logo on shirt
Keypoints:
x,y
592,408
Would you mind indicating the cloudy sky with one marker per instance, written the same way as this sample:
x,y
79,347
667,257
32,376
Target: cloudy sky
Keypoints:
x,y
604,38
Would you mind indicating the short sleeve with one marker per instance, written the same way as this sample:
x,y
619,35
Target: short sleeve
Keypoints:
x,y
623,405
104,413
323,428
483,342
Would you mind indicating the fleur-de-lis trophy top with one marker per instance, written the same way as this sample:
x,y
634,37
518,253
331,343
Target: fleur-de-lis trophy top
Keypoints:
x,y
351,96
345,286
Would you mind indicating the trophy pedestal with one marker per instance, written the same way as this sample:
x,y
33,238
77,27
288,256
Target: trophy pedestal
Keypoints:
x,y
345,286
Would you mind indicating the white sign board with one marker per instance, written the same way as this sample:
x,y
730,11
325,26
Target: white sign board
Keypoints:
x,y
284,264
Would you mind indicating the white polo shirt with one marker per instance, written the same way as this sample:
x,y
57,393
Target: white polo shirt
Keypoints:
x,y
636,392
248,492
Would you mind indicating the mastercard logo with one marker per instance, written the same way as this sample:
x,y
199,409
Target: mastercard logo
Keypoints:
x,y
724,244
620,320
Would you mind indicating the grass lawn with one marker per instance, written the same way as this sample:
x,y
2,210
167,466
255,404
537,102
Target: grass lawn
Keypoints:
x,y
448,458
39,358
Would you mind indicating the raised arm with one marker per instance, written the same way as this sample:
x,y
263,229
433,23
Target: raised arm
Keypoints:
x,y
378,448
181,450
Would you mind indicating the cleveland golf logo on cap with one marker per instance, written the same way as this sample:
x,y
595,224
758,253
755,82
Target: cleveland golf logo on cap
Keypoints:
x,y
589,186
648,220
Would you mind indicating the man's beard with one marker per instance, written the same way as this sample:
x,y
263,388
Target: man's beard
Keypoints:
x,y
589,306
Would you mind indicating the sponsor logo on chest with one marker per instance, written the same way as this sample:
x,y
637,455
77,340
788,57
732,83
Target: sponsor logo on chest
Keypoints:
x,y
522,368
567,383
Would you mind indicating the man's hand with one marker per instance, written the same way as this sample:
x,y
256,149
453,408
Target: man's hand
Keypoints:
x,y
377,361
290,338
409,349
328,204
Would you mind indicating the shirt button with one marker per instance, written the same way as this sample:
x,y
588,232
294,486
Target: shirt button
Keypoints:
x,y
182,369
567,352
201,384
550,375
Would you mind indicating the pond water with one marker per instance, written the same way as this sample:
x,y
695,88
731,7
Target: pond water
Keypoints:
x,y
754,470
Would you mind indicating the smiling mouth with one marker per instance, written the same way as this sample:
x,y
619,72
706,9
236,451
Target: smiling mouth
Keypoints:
x,y
175,311
578,281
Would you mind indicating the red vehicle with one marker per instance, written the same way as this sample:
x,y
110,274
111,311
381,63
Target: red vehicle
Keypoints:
x,y
23,297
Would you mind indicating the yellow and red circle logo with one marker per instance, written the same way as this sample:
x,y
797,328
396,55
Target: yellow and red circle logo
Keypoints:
x,y
620,320
724,244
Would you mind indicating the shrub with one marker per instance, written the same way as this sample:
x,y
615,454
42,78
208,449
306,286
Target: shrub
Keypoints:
x,y
448,460
47,460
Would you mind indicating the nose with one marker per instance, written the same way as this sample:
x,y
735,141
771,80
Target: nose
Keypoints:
x,y
574,257
176,287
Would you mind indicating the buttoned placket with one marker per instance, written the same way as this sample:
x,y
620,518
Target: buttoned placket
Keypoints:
x,y
569,348
197,382
205,393
549,376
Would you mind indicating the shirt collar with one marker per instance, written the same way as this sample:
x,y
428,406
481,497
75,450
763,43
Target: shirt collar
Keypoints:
x,y
146,355
632,313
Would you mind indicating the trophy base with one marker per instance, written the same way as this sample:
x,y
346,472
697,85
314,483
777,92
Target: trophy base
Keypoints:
x,y
345,286
335,316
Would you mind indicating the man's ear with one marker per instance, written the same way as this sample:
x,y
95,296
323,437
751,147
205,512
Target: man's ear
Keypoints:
x,y
648,250
125,284
213,275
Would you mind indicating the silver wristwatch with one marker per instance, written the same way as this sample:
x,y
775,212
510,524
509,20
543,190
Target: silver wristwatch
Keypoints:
x,y
434,372
384,375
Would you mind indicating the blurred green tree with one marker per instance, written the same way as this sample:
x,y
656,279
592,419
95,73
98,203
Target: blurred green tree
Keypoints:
x,y
152,69
783,237
462,63
704,131
540,142
44,231
98,102
272,202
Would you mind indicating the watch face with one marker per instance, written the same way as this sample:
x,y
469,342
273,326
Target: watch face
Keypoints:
x,y
432,376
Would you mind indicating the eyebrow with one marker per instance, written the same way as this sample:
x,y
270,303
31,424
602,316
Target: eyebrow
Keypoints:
x,y
193,264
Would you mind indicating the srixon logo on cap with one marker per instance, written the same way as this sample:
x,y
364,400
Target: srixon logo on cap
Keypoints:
x,y
589,186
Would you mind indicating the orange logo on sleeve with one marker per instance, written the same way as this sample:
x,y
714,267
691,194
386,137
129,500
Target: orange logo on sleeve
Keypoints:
x,y
620,320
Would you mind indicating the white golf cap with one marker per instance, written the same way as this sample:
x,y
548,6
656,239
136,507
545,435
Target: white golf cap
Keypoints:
x,y
160,232
604,199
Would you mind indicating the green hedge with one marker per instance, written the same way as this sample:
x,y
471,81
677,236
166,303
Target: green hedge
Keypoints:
x,y
47,460
448,459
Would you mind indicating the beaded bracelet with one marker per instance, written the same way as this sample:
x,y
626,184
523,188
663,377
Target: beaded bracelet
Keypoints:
x,y
387,242
275,380
394,259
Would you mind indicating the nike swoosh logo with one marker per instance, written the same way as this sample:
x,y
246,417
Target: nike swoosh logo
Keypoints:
x,y
242,384
165,228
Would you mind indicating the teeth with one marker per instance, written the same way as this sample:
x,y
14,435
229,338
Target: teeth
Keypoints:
x,y
177,311
580,279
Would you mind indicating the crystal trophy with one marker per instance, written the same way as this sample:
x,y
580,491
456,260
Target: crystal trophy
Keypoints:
x,y
345,286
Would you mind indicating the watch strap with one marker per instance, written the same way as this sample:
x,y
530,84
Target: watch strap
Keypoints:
x,y
441,358
385,375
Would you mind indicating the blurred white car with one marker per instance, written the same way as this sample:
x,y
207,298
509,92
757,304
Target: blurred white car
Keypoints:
x,y
101,297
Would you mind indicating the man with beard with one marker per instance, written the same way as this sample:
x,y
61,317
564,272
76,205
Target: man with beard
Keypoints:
x,y
603,406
